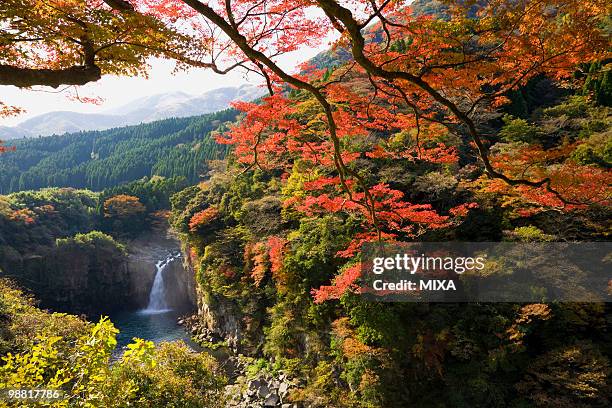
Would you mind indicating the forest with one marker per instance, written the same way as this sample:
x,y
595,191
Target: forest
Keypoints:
x,y
424,122
102,159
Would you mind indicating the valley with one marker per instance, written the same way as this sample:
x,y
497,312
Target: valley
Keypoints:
x,y
200,250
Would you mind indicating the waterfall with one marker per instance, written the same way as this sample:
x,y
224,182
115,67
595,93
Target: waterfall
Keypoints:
x,y
157,296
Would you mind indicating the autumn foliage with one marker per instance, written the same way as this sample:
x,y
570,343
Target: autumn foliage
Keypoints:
x,y
5,148
432,121
202,218
416,88
123,206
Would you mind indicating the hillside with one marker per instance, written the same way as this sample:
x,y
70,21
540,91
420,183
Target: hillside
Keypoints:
x,y
102,159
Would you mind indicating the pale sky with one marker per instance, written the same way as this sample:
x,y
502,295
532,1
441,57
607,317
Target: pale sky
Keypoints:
x,y
116,91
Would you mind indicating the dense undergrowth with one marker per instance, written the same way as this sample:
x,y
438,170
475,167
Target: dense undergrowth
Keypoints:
x,y
59,351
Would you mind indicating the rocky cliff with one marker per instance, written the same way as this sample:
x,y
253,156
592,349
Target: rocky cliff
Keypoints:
x,y
76,276
220,319
99,276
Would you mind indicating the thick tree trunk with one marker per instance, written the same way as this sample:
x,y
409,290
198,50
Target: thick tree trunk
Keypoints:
x,y
26,77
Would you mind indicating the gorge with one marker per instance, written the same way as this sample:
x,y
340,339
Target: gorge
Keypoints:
x,y
157,322
163,286
246,230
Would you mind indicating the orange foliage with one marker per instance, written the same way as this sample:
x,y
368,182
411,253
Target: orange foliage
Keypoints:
x,y
267,256
6,110
202,218
276,248
399,100
528,313
344,282
260,262
123,206
351,346
6,148
24,215
578,186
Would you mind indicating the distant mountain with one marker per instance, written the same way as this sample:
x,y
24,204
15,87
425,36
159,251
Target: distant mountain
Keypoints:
x,y
180,104
143,110
61,122
7,133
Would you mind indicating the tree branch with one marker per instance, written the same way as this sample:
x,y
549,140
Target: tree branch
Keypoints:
x,y
337,12
26,77
241,41
121,5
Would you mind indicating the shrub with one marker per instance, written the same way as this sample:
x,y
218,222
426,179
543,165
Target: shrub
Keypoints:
x,y
518,130
92,239
529,234
568,377
170,375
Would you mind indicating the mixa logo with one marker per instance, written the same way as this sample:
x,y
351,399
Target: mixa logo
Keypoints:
x,y
437,285
406,285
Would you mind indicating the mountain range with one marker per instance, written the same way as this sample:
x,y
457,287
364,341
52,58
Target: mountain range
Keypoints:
x,y
143,110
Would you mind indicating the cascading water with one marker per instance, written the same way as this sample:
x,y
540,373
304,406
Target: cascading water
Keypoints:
x,y
156,322
157,296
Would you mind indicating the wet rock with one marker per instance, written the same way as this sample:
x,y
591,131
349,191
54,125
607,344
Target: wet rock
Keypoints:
x,y
264,391
271,401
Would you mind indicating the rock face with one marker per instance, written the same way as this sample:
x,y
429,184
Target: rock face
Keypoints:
x,y
101,278
220,320
84,279
144,253
217,318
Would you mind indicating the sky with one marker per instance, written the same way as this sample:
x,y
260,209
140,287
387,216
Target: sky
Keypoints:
x,y
117,91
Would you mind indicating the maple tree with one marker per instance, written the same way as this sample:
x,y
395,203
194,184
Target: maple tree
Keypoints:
x,y
202,218
124,214
73,42
260,258
424,70
425,74
123,206
412,81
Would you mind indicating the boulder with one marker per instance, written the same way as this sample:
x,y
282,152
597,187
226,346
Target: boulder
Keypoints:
x,y
283,388
271,401
264,391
